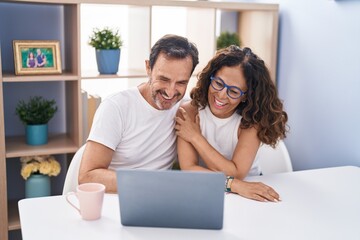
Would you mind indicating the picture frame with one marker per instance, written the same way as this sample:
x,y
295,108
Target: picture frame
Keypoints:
x,y
35,57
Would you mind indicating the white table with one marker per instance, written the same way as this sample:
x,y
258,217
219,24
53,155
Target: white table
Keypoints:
x,y
316,204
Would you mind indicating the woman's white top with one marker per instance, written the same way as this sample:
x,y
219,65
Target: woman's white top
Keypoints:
x,y
222,134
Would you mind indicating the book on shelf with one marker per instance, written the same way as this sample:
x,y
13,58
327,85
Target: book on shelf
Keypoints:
x,y
90,103
84,99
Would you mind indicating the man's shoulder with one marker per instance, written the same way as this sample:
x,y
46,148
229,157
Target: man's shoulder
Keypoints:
x,y
120,100
124,94
189,108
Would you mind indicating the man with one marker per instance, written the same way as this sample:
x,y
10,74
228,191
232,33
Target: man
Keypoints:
x,y
135,128
41,58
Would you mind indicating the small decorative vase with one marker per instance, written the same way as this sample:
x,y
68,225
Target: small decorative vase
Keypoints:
x,y
37,185
37,134
108,60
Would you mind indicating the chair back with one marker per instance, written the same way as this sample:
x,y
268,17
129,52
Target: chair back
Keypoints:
x,y
274,160
72,175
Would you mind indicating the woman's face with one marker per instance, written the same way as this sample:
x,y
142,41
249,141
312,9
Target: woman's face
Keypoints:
x,y
221,105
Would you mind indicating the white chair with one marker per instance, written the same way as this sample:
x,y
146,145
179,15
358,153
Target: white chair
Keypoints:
x,y
274,160
71,180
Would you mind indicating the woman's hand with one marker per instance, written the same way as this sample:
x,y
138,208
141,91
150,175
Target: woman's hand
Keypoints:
x,y
186,128
255,190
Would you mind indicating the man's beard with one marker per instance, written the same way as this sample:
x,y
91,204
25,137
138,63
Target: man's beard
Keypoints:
x,y
163,104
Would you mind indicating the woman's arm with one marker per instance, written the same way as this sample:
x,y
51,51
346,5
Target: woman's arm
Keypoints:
x,y
188,129
187,154
188,158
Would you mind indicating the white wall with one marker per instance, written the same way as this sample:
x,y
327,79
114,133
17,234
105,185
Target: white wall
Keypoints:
x,y
319,81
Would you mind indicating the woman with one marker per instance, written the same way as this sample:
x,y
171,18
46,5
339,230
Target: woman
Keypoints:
x,y
31,61
234,108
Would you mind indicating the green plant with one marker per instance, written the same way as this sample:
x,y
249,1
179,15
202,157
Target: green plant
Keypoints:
x,y
105,39
226,39
36,111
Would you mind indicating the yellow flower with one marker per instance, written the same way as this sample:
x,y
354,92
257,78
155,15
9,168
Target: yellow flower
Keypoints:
x,y
44,164
45,167
28,169
55,167
26,159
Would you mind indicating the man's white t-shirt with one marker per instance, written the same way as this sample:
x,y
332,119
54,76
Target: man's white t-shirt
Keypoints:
x,y
140,135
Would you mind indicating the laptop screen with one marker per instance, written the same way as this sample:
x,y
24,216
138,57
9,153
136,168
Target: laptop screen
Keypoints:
x,y
179,199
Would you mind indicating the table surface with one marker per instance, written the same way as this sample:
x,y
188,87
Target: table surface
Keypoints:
x,y
316,204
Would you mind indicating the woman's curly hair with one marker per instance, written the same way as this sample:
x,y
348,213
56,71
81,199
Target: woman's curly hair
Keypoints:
x,y
262,107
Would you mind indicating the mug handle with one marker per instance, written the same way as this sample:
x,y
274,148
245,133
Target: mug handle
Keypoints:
x,y
68,200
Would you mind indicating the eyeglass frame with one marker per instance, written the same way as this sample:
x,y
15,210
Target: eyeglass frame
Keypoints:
x,y
228,87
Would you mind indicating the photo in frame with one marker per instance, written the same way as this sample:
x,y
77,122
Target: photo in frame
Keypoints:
x,y
37,57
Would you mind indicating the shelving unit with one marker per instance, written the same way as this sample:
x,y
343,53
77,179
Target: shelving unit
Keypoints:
x,y
63,139
257,25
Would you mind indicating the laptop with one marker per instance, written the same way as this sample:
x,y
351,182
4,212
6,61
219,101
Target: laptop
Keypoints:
x,y
170,198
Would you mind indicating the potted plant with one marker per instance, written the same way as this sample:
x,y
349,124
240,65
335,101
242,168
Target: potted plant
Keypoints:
x,y
226,39
35,114
107,44
37,170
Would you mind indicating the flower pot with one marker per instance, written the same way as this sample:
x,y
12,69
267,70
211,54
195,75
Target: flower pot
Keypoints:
x,y
108,60
37,134
37,185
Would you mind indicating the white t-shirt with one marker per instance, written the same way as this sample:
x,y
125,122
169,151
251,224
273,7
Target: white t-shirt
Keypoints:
x,y
222,134
140,135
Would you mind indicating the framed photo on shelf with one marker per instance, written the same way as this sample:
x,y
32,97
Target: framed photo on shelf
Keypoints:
x,y
37,57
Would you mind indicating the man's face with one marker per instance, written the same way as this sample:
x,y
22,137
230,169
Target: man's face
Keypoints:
x,y
168,81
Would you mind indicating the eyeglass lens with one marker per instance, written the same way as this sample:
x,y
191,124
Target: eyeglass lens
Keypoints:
x,y
219,85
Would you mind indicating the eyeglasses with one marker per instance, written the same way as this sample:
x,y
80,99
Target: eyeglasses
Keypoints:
x,y
233,92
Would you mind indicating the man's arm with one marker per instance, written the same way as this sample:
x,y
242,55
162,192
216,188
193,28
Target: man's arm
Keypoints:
x,y
94,166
